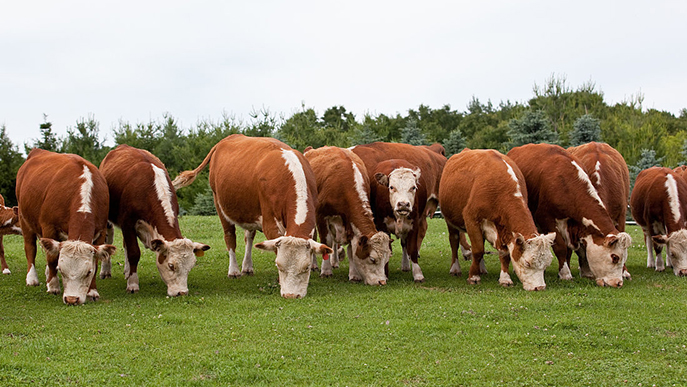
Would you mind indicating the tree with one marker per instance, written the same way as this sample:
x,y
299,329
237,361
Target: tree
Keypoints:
x,y
84,140
411,134
48,139
204,204
10,161
647,159
262,123
531,128
363,134
586,129
454,143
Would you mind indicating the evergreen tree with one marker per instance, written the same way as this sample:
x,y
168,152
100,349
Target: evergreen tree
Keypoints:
x,y
48,139
10,161
585,129
454,143
647,159
84,140
364,134
531,128
411,134
204,204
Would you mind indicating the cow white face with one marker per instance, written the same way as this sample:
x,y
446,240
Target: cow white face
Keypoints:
x,y
676,249
294,258
371,256
77,263
402,184
606,258
534,256
175,260
9,220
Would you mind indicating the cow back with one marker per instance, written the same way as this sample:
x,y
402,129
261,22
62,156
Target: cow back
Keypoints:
x,y
659,196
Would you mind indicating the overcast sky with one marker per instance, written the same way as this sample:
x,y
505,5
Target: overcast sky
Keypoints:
x,y
135,60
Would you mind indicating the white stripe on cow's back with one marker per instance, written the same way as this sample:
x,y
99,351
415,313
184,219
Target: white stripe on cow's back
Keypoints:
x,y
164,193
511,172
86,190
301,185
582,175
360,188
597,173
673,197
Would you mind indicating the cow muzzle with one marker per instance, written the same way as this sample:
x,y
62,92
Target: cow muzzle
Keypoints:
x,y
614,282
71,300
682,273
291,296
403,209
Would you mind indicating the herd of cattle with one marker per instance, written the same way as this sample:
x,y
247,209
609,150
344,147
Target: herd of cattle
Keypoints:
x,y
536,198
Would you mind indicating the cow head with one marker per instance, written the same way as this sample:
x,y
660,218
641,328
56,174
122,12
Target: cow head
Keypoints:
x,y
606,257
9,220
676,249
371,256
530,259
294,258
77,262
402,184
175,260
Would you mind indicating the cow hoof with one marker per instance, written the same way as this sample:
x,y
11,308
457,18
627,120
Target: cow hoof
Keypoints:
x,y
326,275
405,269
627,275
506,284
247,272
419,280
93,295
355,279
661,269
132,289
456,273
234,274
335,265
314,268
103,276
6,271
53,291
474,280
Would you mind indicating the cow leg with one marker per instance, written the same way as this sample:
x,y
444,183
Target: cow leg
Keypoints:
x,y
649,243
230,241
405,261
475,234
562,252
133,256
585,271
504,278
465,247
51,279
658,249
106,268
3,263
454,240
353,274
413,248
30,251
247,265
326,238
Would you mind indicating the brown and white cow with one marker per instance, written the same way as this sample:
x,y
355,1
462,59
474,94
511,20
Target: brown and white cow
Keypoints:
x,y
562,198
681,171
63,199
343,190
9,224
609,174
143,204
483,193
658,204
263,184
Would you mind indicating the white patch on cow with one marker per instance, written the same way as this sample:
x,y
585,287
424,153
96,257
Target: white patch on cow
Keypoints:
x,y
676,249
293,261
86,190
402,190
6,271
164,193
673,198
32,277
565,273
597,173
234,271
589,223
77,265
417,273
504,279
511,172
489,231
582,175
370,268
280,227
54,284
132,283
360,189
562,228
600,259
179,260
535,258
7,222
301,185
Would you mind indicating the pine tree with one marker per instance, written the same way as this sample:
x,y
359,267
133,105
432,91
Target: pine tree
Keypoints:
x,y
647,159
531,128
204,204
585,129
48,139
454,143
10,161
412,134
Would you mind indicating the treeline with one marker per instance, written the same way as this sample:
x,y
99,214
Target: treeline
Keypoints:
x,y
557,113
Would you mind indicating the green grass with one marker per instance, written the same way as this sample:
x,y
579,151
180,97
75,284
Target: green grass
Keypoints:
x,y
441,332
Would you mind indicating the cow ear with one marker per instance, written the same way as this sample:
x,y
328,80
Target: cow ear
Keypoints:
x,y
16,210
199,249
382,179
362,241
51,246
417,174
104,252
550,237
660,239
158,245
269,245
308,148
319,248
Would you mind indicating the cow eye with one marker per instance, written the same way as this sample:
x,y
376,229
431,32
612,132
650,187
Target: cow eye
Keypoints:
x,y
615,258
171,266
373,260
89,272
413,188
391,187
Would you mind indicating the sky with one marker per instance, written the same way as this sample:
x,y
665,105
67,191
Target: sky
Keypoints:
x,y
134,61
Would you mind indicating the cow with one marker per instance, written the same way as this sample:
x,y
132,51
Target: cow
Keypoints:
x,y
563,199
144,205
9,224
429,162
263,184
658,205
681,171
63,199
484,194
609,174
343,190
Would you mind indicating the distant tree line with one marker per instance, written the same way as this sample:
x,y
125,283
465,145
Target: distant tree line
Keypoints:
x,y
557,113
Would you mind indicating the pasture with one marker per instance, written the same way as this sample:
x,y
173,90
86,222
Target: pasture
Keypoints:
x,y
441,332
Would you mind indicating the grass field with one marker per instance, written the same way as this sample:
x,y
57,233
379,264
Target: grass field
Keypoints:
x,y
441,332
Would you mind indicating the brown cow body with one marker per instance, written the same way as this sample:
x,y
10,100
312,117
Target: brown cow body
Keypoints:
x,y
483,193
9,224
143,204
658,205
263,184
344,214
608,172
562,198
63,197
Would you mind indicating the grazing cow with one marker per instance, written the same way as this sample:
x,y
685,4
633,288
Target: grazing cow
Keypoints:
x,y
430,163
343,190
263,184
63,199
681,171
9,224
609,174
483,193
658,205
562,198
143,204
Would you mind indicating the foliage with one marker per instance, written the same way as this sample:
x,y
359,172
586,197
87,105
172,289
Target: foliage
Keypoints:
x,y
586,129
84,140
363,134
204,204
48,140
646,160
532,128
411,134
10,161
454,143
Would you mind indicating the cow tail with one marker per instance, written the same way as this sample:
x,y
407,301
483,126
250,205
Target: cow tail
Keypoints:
x,y
184,179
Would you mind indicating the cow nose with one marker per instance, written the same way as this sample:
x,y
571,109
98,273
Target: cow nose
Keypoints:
x,y
382,282
403,205
71,300
182,293
539,288
291,295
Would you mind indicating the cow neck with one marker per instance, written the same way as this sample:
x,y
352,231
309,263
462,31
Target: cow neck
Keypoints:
x,y
516,222
169,233
82,227
364,223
